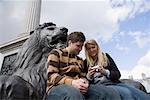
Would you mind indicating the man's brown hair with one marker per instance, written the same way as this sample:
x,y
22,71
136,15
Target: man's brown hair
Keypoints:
x,y
76,37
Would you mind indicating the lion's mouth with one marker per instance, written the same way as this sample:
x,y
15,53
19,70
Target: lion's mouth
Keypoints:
x,y
59,38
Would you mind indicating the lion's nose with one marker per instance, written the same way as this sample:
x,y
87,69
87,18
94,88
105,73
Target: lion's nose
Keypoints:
x,y
65,30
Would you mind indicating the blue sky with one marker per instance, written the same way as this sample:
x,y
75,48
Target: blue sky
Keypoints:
x,y
133,51
122,27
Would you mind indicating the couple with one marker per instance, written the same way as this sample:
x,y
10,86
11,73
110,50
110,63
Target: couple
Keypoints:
x,y
71,78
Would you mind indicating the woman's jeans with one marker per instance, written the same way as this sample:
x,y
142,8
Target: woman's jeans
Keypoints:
x,y
136,93
129,93
95,92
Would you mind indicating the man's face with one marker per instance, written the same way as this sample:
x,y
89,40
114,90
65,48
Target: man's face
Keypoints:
x,y
76,47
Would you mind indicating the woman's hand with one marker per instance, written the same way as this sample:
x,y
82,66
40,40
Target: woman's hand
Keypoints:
x,y
91,72
101,70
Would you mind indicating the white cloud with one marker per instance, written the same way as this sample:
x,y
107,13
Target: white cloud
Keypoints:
x,y
138,70
132,7
97,18
141,39
143,66
125,74
123,10
126,9
93,18
120,13
145,60
122,48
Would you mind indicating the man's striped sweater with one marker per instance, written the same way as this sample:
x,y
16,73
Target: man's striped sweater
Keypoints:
x,y
63,68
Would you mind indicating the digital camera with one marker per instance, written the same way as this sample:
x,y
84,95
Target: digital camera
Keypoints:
x,y
96,68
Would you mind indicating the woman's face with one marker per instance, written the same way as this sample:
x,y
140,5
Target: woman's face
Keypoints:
x,y
92,50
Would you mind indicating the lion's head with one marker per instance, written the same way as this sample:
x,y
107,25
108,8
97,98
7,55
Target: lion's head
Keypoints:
x,y
52,36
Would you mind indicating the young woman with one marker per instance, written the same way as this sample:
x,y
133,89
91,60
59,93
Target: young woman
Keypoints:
x,y
102,70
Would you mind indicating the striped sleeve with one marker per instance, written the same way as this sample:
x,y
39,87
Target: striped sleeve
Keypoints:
x,y
82,67
54,78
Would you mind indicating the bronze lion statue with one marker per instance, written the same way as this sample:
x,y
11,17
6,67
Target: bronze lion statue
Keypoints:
x,y
28,78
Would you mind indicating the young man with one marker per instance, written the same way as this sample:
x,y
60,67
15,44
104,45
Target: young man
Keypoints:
x,y
65,70
66,74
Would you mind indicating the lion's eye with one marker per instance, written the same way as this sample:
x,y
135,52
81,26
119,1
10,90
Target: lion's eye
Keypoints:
x,y
51,28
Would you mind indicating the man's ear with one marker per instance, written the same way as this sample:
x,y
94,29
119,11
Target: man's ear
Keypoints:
x,y
69,42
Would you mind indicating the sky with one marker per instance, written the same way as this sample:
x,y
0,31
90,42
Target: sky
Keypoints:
x,y
121,27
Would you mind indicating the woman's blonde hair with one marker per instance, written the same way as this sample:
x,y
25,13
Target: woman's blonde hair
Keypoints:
x,y
102,58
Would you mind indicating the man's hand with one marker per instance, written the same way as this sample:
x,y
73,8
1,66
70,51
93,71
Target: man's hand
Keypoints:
x,y
81,84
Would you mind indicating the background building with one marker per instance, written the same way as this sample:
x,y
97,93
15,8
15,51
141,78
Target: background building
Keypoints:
x,y
8,50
